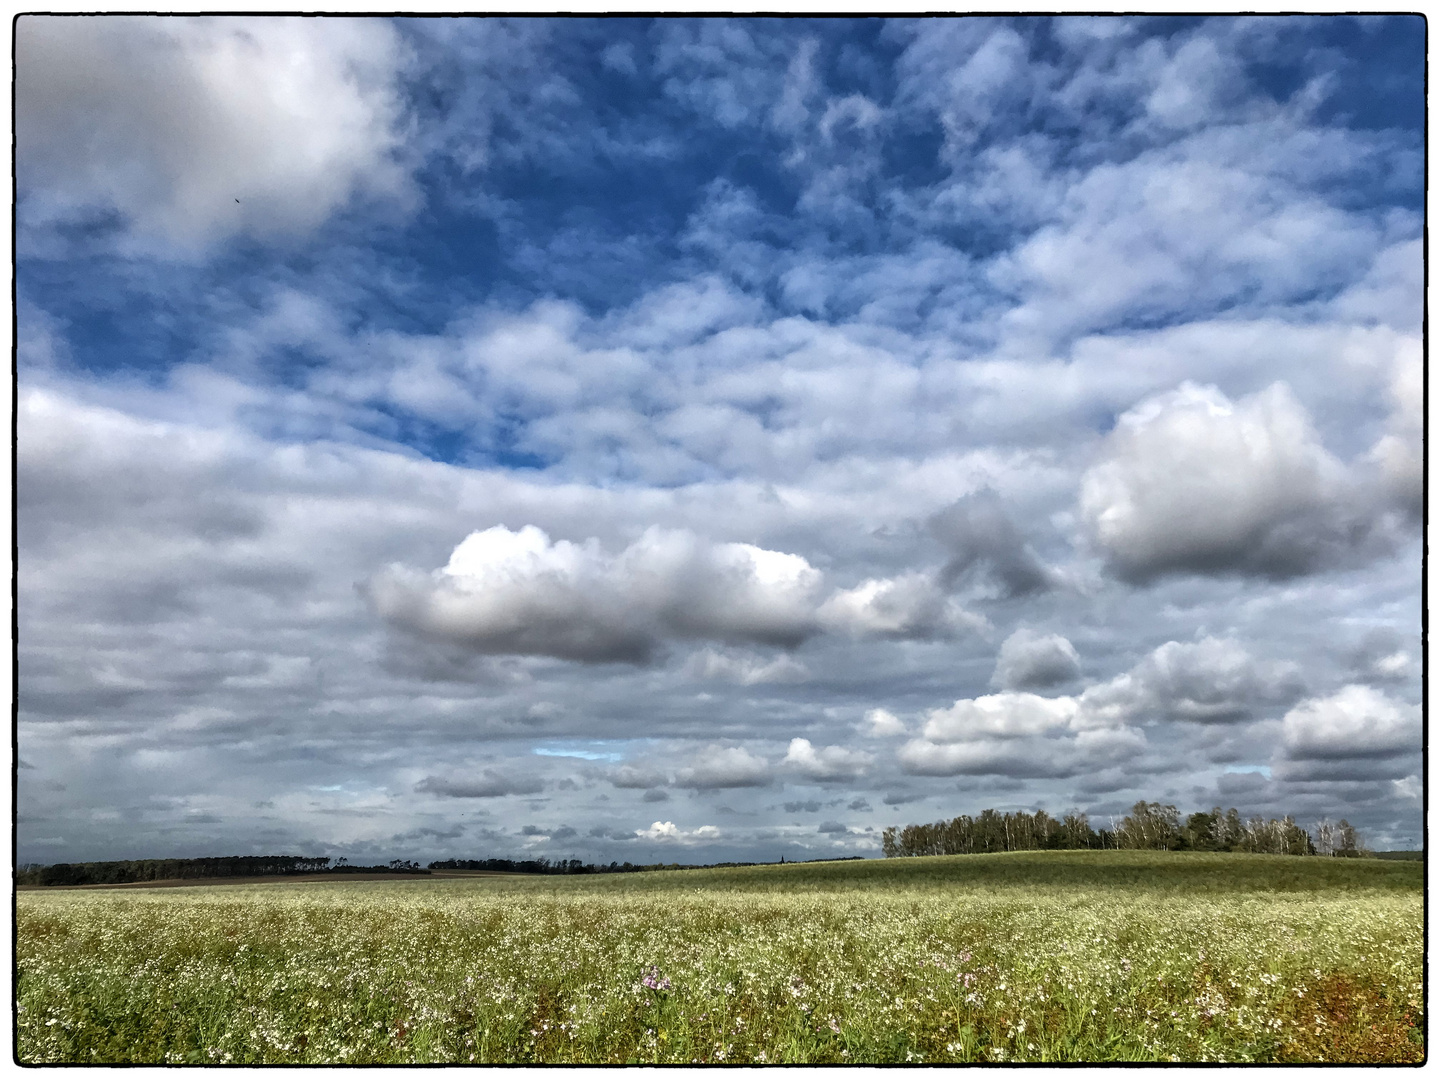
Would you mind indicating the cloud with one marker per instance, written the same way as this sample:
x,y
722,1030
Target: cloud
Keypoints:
x,y
670,832
1017,735
881,723
711,768
1354,722
831,827
981,537
1190,482
1004,715
1386,657
488,784
909,606
195,129
724,767
827,763
521,593
1399,454
900,798
808,806
1032,757
1211,681
1032,661
744,669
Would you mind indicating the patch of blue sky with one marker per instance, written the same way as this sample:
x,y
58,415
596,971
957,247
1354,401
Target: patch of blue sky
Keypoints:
x,y
584,751
1263,770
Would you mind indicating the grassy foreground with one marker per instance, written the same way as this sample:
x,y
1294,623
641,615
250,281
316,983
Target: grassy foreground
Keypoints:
x,y
1036,956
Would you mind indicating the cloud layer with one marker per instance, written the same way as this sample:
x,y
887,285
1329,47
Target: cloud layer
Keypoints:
x,y
467,437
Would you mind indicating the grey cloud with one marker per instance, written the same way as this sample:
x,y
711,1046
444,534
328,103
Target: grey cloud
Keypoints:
x,y
637,776
1398,455
831,827
1238,785
1212,681
565,832
980,536
900,798
1190,482
911,606
1344,769
488,784
1030,660
710,768
725,767
982,758
860,805
1385,657
809,806
452,833
746,669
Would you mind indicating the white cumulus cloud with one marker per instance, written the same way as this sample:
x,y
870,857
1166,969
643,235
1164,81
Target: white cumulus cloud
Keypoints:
x,y
880,723
1002,715
826,763
193,129
519,592
1355,721
1190,481
668,830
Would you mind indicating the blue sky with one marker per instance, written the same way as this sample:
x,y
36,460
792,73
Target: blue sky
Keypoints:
x,y
718,438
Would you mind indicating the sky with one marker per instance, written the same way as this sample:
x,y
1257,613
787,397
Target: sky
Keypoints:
x,y
718,439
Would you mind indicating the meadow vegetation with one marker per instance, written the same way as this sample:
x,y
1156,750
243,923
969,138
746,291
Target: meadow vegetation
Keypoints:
x,y
1032,956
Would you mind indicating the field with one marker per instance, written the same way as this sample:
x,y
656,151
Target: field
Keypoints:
x,y
1038,956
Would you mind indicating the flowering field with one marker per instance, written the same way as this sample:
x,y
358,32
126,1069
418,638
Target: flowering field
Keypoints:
x,y
1040,956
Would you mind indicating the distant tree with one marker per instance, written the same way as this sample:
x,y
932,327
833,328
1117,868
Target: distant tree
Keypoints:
x,y
1150,825
1348,844
1075,830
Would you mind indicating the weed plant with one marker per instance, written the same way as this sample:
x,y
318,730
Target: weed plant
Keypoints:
x,y
1060,956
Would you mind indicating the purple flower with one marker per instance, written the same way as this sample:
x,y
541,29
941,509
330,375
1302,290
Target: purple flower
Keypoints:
x,y
654,980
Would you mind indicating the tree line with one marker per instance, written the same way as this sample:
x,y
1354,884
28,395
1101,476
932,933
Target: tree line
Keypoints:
x,y
575,866
1149,825
126,871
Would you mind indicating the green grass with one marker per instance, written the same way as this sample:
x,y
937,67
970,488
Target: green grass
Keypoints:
x,y
1059,956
